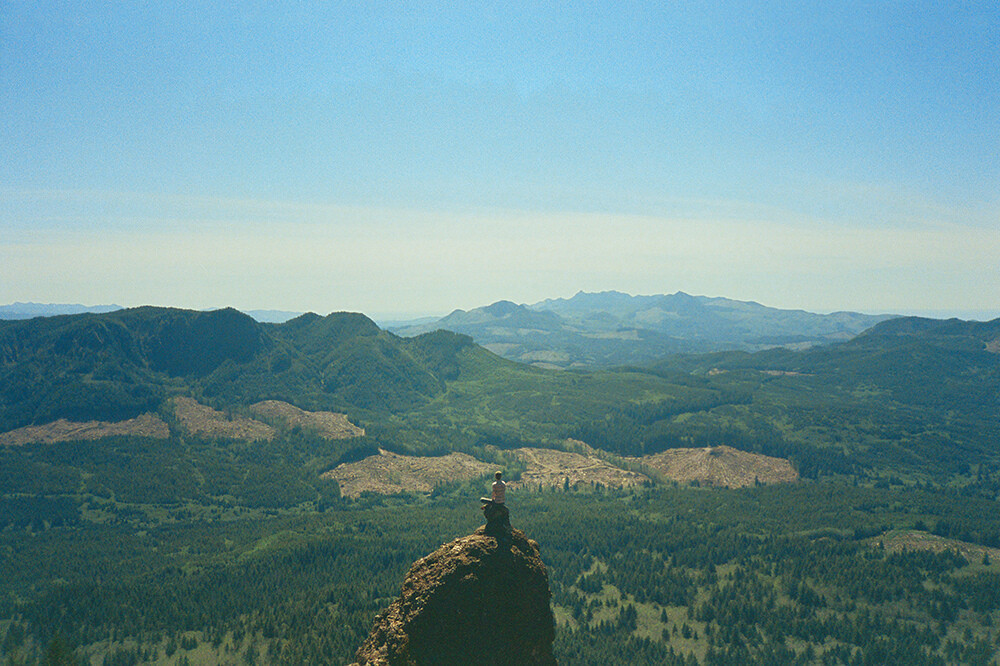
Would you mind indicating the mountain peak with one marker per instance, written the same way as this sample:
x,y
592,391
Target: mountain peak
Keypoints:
x,y
502,308
474,600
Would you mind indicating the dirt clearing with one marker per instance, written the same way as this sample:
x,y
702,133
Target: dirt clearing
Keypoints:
x,y
329,425
547,467
389,473
720,466
146,425
197,419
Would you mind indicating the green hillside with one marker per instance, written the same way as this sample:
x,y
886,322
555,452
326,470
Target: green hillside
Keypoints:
x,y
233,551
910,396
118,365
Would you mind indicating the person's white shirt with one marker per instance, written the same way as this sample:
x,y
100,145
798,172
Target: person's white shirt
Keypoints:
x,y
499,491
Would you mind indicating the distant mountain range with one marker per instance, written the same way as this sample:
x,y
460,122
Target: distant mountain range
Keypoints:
x,y
613,328
894,430
596,329
920,393
32,310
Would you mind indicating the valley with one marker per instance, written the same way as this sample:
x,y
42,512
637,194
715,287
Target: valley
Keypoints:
x,y
713,286
259,490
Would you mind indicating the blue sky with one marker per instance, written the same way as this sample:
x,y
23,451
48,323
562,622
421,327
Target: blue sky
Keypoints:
x,y
407,158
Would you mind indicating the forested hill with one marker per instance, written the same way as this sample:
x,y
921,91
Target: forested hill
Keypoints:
x,y
230,548
117,365
910,394
951,364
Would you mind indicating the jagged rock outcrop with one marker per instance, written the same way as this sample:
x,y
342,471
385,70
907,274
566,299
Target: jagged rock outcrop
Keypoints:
x,y
475,600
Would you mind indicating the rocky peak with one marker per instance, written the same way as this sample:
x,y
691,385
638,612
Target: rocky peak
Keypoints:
x,y
475,600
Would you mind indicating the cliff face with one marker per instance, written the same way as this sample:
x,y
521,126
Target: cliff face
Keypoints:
x,y
475,600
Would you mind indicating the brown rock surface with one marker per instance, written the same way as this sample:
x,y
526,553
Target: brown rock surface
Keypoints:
x,y
145,425
720,466
330,425
475,600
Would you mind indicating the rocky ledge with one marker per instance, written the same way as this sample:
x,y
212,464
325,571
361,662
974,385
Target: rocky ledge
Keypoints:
x,y
476,600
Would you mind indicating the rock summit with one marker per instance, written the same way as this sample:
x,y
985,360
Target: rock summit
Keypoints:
x,y
476,600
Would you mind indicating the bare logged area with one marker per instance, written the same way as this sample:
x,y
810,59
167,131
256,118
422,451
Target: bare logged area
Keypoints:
x,y
146,425
546,468
720,466
389,473
197,419
329,425
910,540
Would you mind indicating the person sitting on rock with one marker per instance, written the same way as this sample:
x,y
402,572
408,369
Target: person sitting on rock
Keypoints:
x,y
499,495
495,509
499,489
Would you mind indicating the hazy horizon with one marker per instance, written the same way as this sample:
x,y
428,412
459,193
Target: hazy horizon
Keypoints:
x,y
394,317
418,159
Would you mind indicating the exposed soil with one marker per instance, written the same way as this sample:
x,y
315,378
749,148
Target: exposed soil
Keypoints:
x,y
720,466
546,468
329,425
901,540
146,425
389,473
197,419
193,419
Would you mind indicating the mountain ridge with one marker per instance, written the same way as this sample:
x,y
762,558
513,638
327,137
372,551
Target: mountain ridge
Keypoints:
x,y
614,328
117,365
441,392
892,430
